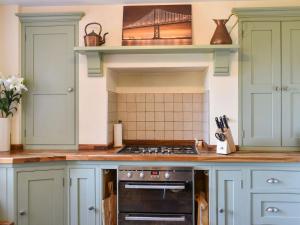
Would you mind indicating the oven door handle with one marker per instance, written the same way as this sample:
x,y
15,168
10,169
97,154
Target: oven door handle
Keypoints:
x,y
164,187
155,218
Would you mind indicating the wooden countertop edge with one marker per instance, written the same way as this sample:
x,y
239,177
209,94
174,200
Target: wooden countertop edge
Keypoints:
x,y
110,155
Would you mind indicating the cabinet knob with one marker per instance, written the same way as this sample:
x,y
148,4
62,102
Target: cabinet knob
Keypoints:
x,y
272,181
285,88
272,210
277,88
221,210
91,208
70,89
22,213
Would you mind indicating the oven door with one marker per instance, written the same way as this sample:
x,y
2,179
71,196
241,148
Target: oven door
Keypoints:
x,y
155,197
154,219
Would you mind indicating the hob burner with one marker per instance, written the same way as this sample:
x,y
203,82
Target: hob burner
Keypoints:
x,y
177,150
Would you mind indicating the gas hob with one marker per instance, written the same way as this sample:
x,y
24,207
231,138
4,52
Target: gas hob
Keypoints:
x,y
161,150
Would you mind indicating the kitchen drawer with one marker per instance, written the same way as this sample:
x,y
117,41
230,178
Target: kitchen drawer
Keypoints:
x,y
275,179
276,209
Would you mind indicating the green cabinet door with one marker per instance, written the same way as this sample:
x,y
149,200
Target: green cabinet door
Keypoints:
x,y
50,76
229,201
291,83
261,82
82,197
40,197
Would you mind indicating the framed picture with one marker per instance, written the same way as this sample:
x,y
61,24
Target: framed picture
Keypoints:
x,y
157,25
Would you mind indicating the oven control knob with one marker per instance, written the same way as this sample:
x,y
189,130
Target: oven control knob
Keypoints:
x,y
129,174
142,175
167,175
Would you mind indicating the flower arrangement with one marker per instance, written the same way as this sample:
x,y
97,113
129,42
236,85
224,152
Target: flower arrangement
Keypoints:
x,y
11,90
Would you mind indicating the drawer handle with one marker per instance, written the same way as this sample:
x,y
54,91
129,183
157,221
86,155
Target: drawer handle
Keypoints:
x,y
272,210
156,219
272,181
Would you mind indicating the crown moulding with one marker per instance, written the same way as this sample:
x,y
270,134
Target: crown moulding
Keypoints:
x,y
292,11
40,17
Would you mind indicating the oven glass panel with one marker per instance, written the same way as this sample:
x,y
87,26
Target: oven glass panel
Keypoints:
x,y
155,197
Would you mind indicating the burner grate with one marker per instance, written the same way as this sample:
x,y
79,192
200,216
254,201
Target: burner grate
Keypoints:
x,y
177,150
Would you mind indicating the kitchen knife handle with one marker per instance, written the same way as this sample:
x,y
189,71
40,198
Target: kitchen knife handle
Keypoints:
x,y
222,124
225,120
218,122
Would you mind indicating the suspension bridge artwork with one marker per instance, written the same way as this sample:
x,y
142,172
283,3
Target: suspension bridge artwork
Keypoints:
x,y
157,25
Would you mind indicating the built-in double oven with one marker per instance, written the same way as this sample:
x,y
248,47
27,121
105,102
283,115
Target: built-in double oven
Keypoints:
x,y
155,196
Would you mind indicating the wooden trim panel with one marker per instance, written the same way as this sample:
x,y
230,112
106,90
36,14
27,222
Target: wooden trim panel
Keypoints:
x,y
90,147
16,147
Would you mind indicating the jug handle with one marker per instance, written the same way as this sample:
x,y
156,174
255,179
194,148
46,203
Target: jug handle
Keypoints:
x,y
93,24
236,22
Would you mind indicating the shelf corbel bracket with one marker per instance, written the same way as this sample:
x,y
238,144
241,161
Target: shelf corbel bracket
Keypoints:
x,y
94,64
222,62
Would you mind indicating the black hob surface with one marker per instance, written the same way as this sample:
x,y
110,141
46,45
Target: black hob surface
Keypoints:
x,y
171,150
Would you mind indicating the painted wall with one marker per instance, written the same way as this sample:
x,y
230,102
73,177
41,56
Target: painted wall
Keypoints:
x,y
93,116
9,55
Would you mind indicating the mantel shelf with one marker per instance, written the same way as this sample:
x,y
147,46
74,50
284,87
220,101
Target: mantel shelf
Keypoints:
x,y
221,54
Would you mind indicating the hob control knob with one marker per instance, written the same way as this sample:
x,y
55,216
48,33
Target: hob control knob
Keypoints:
x,y
129,174
167,175
142,175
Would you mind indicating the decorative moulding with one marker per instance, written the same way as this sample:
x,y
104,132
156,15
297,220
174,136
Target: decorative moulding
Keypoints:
x,y
267,11
40,17
221,55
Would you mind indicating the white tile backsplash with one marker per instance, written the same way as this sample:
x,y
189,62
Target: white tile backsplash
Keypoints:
x,y
159,116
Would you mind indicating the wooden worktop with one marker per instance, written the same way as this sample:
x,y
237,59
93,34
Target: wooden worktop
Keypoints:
x,y
110,155
6,223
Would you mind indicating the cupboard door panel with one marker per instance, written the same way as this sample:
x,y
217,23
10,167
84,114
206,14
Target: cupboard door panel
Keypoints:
x,y
229,198
261,74
291,83
82,197
49,73
41,198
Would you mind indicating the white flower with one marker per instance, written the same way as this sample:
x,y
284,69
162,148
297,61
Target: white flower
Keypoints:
x,y
15,83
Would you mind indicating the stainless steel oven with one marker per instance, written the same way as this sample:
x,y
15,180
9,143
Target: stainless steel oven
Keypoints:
x,y
155,196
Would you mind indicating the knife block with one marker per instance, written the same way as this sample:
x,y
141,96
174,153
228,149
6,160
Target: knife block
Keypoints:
x,y
226,147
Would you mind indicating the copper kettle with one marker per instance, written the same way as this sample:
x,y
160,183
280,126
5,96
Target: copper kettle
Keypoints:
x,y
94,39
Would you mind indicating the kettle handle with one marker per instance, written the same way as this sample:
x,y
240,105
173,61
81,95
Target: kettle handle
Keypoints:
x,y
94,23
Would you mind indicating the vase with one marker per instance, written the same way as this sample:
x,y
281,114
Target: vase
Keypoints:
x,y
221,35
4,134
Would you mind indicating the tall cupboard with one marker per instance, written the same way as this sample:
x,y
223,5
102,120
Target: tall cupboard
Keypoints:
x,y
270,77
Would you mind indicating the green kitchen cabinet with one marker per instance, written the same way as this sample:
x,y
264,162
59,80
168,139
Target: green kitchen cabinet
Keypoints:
x,y
269,77
50,101
239,193
82,200
49,66
261,80
40,197
229,197
291,83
